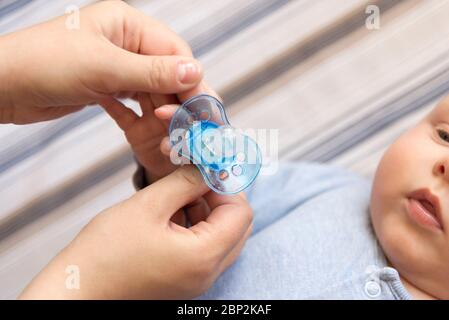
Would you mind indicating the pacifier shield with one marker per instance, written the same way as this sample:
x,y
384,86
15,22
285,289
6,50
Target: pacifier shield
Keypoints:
x,y
200,131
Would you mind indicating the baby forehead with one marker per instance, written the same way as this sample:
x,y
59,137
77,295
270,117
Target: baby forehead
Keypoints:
x,y
442,108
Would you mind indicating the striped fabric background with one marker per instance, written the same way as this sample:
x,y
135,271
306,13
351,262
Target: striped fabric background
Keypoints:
x,y
337,91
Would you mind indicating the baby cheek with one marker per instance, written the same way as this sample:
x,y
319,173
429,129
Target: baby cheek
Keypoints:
x,y
407,161
395,168
395,177
390,186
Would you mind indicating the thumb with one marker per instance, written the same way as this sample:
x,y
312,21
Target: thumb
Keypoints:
x,y
171,193
155,74
228,223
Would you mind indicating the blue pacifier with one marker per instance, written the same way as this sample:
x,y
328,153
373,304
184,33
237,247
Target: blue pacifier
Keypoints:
x,y
200,131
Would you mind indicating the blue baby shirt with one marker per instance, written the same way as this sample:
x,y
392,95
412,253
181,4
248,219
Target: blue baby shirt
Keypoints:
x,y
312,239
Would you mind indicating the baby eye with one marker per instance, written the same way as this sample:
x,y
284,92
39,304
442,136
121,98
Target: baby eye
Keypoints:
x,y
443,135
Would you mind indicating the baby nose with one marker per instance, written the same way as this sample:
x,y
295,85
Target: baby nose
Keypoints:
x,y
441,169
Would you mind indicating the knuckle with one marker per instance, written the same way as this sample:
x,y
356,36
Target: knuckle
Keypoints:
x,y
157,73
189,176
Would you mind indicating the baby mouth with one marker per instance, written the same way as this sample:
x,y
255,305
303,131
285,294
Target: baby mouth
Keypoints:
x,y
424,208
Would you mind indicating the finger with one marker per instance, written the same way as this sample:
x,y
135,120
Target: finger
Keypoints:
x,y
146,104
122,115
171,193
226,224
124,95
194,212
197,211
166,112
135,30
179,218
161,40
155,37
216,200
165,146
155,74
163,99
165,109
203,87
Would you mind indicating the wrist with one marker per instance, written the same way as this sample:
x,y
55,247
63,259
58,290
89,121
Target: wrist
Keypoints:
x,y
72,274
52,282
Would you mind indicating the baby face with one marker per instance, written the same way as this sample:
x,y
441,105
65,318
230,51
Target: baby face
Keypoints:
x,y
410,203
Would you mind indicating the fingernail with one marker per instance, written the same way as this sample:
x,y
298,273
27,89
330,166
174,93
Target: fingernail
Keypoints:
x,y
189,72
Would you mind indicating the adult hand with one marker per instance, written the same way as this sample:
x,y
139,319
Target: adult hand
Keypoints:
x,y
133,250
147,134
49,70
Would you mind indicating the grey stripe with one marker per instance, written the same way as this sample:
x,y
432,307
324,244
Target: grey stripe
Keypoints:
x,y
302,52
4,10
362,129
221,32
34,210
383,110
26,148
